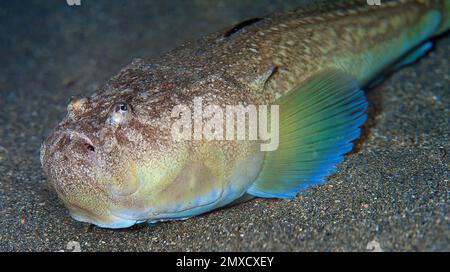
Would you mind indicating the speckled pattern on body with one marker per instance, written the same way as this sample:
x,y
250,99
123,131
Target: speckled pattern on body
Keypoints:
x,y
392,189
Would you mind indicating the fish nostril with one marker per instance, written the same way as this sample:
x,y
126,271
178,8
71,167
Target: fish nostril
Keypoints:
x,y
89,147
80,141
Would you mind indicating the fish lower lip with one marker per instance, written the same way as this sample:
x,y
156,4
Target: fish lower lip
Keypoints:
x,y
136,216
115,222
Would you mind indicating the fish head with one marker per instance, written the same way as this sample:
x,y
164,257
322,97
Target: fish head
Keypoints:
x,y
110,159
114,161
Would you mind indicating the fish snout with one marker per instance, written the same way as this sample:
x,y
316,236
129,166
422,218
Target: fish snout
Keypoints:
x,y
80,143
69,161
70,141
66,148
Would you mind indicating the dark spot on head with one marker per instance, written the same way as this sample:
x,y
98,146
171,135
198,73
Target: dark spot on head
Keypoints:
x,y
62,142
122,139
241,25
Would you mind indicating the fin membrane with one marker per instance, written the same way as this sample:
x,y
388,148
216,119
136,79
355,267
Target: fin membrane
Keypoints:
x,y
318,122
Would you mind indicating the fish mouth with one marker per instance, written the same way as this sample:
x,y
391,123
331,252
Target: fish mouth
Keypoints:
x,y
111,221
114,223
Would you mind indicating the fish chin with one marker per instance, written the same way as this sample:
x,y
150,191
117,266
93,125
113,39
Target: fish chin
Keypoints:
x,y
113,221
110,217
108,209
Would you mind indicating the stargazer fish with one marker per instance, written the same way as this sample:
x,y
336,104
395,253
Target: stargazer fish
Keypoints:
x,y
113,160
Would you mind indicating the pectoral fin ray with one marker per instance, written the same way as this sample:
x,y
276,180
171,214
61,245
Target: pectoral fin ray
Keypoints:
x,y
319,120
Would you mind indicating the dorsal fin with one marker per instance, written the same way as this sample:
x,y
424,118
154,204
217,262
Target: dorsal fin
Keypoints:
x,y
241,25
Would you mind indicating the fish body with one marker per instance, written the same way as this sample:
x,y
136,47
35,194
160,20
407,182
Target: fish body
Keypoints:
x,y
113,159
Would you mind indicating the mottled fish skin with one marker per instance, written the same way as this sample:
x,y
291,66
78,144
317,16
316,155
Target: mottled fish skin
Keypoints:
x,y
112,159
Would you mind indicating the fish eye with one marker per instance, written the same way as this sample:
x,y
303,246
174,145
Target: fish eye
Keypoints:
x,y
121,107
120,113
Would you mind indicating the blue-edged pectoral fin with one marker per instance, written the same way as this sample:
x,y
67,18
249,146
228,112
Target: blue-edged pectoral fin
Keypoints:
x,y
318,123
